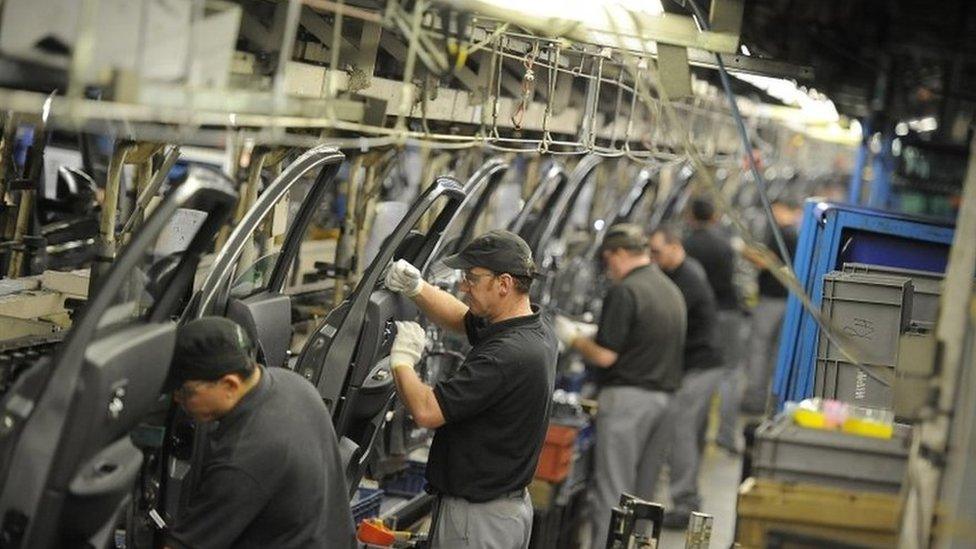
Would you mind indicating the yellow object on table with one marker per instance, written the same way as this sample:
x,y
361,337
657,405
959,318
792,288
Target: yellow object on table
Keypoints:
x,y
811,419
867,428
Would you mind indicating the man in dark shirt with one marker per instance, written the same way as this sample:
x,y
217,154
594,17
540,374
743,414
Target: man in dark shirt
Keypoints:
x,y
768,314
707,244
639,342
271,474
492,414
712,248
703,372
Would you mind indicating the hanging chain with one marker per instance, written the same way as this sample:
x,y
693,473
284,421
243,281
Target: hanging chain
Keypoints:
x,y
528,87
496,101
553,55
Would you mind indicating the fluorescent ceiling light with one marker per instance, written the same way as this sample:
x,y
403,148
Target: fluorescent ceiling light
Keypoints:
x,y
584,11
815,106
628,24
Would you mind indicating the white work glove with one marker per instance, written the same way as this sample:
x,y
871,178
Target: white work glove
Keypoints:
x,y
566,330
408,345
404,278
587,330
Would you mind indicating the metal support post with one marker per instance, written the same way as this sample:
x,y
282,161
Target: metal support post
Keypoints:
x,y
24,209
248,196
880,196
699,533
935,457
6,142
106,243
860,160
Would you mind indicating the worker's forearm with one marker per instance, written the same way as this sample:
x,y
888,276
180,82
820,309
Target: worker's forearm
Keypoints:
x,y
418,397
441,307
594,353
755,256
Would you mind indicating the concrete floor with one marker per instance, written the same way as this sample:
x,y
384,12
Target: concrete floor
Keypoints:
x,y
718,482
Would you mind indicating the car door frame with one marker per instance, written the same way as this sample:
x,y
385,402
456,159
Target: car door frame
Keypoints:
x,y
39,454
214,297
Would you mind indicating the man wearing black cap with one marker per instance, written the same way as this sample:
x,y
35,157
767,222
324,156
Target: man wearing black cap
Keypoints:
x,y
491,415
638,347
271,475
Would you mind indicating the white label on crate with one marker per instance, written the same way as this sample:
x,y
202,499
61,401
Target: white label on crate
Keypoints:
x,y
860,385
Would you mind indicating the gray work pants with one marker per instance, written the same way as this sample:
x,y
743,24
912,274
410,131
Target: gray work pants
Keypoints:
x,y
686,416
763,347
629,427
731,334
503,523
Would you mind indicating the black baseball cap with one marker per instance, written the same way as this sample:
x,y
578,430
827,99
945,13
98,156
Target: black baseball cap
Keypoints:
x,y
629,236
498,251
207,349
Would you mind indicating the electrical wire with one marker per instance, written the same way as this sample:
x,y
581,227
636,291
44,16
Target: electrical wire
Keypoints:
x,y
744,137
767,206
780,271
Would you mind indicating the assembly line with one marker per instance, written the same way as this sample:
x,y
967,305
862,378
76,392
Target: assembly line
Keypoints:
x,y
475,274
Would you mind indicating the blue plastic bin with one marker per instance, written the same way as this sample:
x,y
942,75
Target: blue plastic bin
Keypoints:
x,y
366,504
407,483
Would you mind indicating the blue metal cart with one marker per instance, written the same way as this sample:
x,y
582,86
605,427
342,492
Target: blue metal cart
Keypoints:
x,y
834,234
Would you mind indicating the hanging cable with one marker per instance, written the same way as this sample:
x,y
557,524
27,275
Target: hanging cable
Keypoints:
x,y
744,137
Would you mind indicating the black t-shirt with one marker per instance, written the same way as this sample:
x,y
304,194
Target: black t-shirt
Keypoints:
x,y
768,285
496,406
714,251
643,321
700,350
272,475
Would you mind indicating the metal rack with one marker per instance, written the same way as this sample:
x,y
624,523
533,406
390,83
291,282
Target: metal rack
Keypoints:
x,y
303,103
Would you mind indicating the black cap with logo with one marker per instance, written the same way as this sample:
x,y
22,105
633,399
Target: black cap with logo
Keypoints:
x,y
498,251
207,349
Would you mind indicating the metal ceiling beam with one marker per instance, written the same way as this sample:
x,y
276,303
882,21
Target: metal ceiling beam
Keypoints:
x,y
323,31
752,65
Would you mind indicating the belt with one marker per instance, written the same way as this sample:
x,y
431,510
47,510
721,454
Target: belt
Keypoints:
x,y
514,494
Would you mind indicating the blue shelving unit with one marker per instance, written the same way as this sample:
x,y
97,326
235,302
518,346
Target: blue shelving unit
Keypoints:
x,y
834,234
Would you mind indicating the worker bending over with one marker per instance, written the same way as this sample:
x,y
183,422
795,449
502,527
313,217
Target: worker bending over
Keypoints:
x,y
271,475
491,415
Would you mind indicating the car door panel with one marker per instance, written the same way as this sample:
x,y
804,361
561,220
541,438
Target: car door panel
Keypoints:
x,y
327,355
574,288
101,381
266,312
266,316
532,219
550,236
347,356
